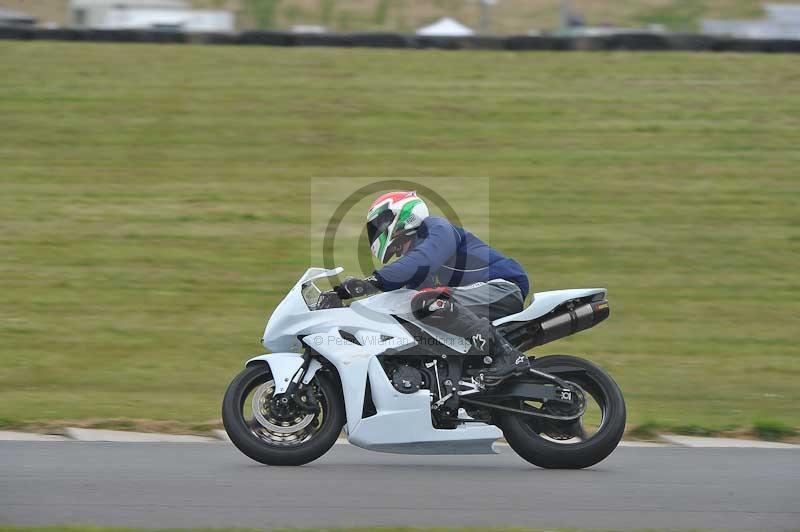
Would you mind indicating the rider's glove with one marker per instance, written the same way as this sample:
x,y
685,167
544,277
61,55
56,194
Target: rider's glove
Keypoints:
x,y
352,287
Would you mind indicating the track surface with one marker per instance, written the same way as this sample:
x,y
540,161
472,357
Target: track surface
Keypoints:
x,y
211,484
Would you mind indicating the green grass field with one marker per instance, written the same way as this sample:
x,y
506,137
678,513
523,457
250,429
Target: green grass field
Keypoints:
x,y
370,529
84,528
154,207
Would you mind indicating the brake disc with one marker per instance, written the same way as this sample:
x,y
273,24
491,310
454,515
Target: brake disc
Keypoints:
x,y
262,412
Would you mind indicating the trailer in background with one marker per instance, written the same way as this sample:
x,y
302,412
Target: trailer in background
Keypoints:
x,y
173,15
10,18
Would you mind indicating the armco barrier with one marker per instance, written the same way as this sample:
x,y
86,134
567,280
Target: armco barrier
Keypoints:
x,y
626,41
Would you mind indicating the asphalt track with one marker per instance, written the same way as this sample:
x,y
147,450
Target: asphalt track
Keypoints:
x,y
212,485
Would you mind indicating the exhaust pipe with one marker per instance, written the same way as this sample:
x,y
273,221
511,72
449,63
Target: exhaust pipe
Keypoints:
x,y
572,321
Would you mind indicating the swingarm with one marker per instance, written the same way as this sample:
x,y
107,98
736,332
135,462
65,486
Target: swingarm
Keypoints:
x,y
554,395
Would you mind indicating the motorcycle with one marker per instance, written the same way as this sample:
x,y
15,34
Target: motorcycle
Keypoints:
x,y
397,385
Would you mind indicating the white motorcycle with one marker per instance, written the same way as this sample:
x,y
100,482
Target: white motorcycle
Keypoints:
x,y
397,385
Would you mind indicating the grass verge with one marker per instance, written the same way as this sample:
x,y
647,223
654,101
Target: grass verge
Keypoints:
x,y
768,429
359,529
155,205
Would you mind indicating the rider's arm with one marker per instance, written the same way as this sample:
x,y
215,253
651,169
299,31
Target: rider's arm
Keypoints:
x,y
429,255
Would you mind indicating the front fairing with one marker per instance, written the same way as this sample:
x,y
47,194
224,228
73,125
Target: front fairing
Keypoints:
x,y
375,315
280,333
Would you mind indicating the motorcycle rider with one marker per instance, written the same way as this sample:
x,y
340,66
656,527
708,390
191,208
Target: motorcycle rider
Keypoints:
x,y
463,283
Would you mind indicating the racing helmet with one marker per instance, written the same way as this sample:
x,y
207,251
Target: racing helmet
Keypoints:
x,y
392,220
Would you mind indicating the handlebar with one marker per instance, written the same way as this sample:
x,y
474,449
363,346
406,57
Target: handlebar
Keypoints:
x,y
329,299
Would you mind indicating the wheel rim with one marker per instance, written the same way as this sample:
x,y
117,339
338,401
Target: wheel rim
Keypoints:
x,y
289,427
582,430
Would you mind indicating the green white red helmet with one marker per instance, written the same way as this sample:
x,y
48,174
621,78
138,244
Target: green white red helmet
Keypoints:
x,y
391,221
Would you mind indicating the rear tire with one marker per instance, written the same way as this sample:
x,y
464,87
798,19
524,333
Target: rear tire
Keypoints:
x,y
521,434
244,438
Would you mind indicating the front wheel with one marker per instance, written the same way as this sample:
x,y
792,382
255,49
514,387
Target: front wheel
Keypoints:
x,y
279,433
570,444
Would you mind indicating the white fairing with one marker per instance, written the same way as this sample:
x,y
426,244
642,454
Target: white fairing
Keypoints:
x,y
544,302
282,365
398,303
292,314
403,421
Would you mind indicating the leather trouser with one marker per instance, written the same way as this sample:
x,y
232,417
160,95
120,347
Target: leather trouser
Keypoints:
x,y
467,313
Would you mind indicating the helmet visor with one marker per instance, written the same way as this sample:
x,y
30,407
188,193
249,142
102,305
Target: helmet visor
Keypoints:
x,y
378,225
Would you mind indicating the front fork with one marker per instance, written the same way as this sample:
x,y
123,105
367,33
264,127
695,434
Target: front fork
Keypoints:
x,y
298,388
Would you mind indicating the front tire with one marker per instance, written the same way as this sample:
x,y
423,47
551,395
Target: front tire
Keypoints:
x,y
281,447
527,435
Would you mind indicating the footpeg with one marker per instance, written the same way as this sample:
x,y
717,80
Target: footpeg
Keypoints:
x,y
471,386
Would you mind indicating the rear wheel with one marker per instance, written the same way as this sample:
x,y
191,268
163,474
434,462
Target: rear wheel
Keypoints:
x,y
275,432
570,444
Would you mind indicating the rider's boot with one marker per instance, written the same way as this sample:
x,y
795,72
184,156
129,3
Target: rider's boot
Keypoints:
x,y
506,362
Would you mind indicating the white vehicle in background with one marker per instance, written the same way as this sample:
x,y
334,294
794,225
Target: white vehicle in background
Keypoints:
x,y
398,386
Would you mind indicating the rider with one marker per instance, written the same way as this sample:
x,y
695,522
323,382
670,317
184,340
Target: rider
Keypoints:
x,y
463,283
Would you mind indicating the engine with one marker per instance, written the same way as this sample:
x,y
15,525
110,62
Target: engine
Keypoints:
x,y
407,379
409,374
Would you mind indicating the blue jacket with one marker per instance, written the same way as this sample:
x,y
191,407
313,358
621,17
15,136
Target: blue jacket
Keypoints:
x,y
446,255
